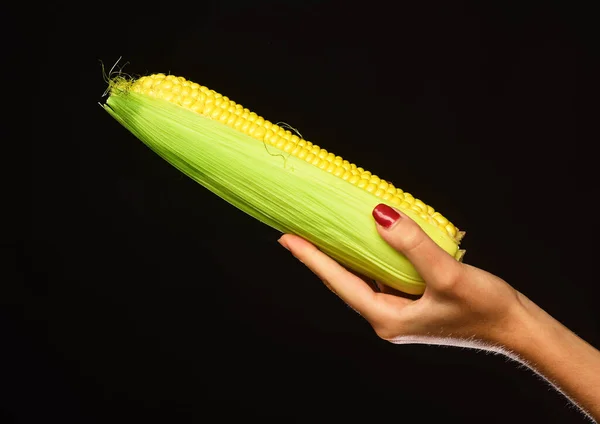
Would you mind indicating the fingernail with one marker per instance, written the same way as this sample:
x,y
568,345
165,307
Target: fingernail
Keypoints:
x,y
283,244
385,216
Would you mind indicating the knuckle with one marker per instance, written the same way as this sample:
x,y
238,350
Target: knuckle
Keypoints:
x,y
384,333
312,253
412,238
387,324
449,279
307,255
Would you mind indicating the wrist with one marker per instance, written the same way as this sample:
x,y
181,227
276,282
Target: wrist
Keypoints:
x,y
563,359
537,337
523,327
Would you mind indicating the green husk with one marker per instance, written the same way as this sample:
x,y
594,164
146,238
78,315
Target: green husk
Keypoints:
x,y
274,187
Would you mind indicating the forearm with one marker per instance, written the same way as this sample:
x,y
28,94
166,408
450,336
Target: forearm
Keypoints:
x,y
568,362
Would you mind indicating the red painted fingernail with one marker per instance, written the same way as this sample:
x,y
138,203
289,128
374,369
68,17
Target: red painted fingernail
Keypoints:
x,y
385,216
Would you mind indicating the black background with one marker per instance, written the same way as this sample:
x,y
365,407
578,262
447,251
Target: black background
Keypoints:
x,y
138,295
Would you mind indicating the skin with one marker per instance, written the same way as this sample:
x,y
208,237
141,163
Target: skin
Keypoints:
x,y
463,306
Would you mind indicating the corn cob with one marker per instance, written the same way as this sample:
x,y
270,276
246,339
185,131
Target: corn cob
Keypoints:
x,y
204,134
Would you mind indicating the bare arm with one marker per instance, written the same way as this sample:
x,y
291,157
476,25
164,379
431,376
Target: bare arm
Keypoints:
x,y
462,306
568,362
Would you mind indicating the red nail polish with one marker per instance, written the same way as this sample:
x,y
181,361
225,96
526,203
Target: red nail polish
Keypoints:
x,y
385,216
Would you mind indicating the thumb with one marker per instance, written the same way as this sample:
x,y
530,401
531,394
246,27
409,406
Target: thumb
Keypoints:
x,y
436,266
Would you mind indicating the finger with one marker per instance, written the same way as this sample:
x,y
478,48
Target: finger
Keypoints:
x,y
438,268
350,288
373,285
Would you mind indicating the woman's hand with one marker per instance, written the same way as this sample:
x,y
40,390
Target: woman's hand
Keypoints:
x,y
462,306
460,301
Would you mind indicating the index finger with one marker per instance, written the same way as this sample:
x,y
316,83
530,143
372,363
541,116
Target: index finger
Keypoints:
x,y
350,288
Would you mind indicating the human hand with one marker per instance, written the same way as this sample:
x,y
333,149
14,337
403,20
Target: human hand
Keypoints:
x,y
459,302
462,306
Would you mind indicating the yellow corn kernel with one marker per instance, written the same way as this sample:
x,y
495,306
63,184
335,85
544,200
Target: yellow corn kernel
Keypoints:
x,y
213,105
